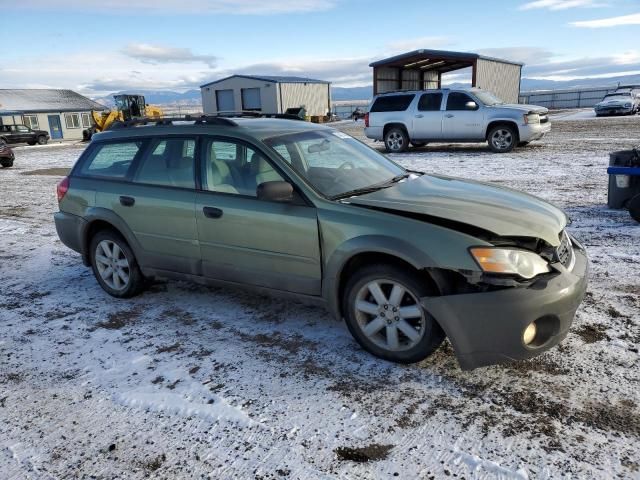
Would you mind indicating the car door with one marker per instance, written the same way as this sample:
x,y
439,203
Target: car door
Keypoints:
x,y
24,134
427,122
150,185
463,118
247,240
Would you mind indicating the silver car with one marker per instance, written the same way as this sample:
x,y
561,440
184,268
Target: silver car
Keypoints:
x,y
618,103
453,115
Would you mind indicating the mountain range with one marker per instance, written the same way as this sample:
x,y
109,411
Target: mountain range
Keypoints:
x,y
192,97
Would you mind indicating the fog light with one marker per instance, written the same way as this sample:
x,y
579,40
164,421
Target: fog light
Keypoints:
x,y
529,333
622,181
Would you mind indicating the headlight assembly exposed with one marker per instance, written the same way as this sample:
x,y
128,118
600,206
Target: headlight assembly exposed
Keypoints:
x,y
531,119
509,261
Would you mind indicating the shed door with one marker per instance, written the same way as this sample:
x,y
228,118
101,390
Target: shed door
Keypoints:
x,y
224,99
251,99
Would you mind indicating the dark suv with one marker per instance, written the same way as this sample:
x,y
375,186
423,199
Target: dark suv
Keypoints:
x,y
287,206
22,134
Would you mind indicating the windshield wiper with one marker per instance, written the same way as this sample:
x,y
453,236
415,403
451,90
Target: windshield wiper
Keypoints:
x,y
370,188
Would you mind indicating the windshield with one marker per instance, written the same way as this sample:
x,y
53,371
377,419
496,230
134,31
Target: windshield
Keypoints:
x,y
333,162
487,98
618,96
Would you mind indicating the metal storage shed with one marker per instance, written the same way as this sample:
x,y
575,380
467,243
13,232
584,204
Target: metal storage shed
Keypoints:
x,y
267,94
423,69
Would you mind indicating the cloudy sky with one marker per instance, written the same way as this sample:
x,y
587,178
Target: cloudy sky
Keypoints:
x,y
109,45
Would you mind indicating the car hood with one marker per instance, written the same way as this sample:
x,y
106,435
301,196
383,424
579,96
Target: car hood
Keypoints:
x,y
499,210
613,103
523,108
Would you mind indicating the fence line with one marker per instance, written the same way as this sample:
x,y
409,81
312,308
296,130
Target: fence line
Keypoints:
x,y
570,98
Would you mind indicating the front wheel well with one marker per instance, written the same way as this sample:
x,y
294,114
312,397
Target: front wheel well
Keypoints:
x,y
497,123
361,260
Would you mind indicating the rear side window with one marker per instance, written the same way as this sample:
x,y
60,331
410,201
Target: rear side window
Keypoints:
x,y
430,102
111,159
168,162
392,103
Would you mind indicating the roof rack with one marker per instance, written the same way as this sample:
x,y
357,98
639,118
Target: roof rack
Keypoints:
x,y
221,119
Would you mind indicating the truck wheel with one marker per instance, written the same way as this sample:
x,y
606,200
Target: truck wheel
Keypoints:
x,y
502,138
634,208
396,140
383,313
42,140
7,164
114,265
3,141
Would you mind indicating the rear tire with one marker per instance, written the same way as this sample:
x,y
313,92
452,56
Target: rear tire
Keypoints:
x,y
383,313
114,265
634,208
7,164
396,140
502,138
3,141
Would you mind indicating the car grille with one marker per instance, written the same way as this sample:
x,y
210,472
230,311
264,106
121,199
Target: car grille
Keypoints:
x,y
564,252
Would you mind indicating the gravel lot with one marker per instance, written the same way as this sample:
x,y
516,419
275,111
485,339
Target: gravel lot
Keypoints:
x,y
193,382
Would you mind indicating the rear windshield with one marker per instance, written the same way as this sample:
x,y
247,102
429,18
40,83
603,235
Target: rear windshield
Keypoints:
x,y
392,103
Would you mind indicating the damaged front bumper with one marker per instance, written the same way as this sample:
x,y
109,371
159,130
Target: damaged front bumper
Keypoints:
x,y
487,328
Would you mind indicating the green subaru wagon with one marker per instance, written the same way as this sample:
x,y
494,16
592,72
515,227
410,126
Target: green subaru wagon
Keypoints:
x,y
289,207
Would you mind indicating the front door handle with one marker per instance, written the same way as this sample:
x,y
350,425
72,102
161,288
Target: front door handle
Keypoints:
x,y
419,115
127,201
212,212
449,115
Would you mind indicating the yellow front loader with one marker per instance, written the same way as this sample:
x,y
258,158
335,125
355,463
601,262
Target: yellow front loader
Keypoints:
x,y
127,107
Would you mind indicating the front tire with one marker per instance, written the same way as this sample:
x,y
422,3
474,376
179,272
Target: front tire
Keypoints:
x,y
42,140
502,138
396,140
114,265
7,164
383,313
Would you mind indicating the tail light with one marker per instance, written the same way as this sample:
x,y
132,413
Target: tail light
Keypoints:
x,y
63,187
366,119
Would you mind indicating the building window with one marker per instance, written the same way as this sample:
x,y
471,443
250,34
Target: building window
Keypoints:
x,y
251,99
72,120
31,121
86,121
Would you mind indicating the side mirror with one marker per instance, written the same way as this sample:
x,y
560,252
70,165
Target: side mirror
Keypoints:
x,y
471,106
277,191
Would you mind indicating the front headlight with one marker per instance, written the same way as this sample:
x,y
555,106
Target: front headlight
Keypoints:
x,y
627,105
510,261
531,118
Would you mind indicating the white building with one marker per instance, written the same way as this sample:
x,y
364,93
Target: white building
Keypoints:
x,y
62,113
266,94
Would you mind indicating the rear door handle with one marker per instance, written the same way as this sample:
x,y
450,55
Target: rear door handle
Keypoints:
x,y
127,201
212,212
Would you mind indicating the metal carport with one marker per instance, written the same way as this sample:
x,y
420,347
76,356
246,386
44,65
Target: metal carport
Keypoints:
x,y
423,69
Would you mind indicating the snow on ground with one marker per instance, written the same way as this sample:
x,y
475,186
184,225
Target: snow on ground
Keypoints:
x,y
190,382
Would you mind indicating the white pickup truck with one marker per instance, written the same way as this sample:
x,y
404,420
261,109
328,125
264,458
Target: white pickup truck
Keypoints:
x,y
453,115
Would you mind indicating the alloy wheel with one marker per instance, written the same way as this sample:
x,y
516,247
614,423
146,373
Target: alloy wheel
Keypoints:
x,y
502,139
112,265
395,141
390,315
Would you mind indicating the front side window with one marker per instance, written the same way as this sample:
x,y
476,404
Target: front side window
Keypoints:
x,y
458,101
72,120
430,102
31,121
233,167
168,162
392,103
335,163
22,129
111,159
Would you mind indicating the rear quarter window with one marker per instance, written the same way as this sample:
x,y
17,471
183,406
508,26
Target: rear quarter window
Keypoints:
x,y
392,103
111,159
